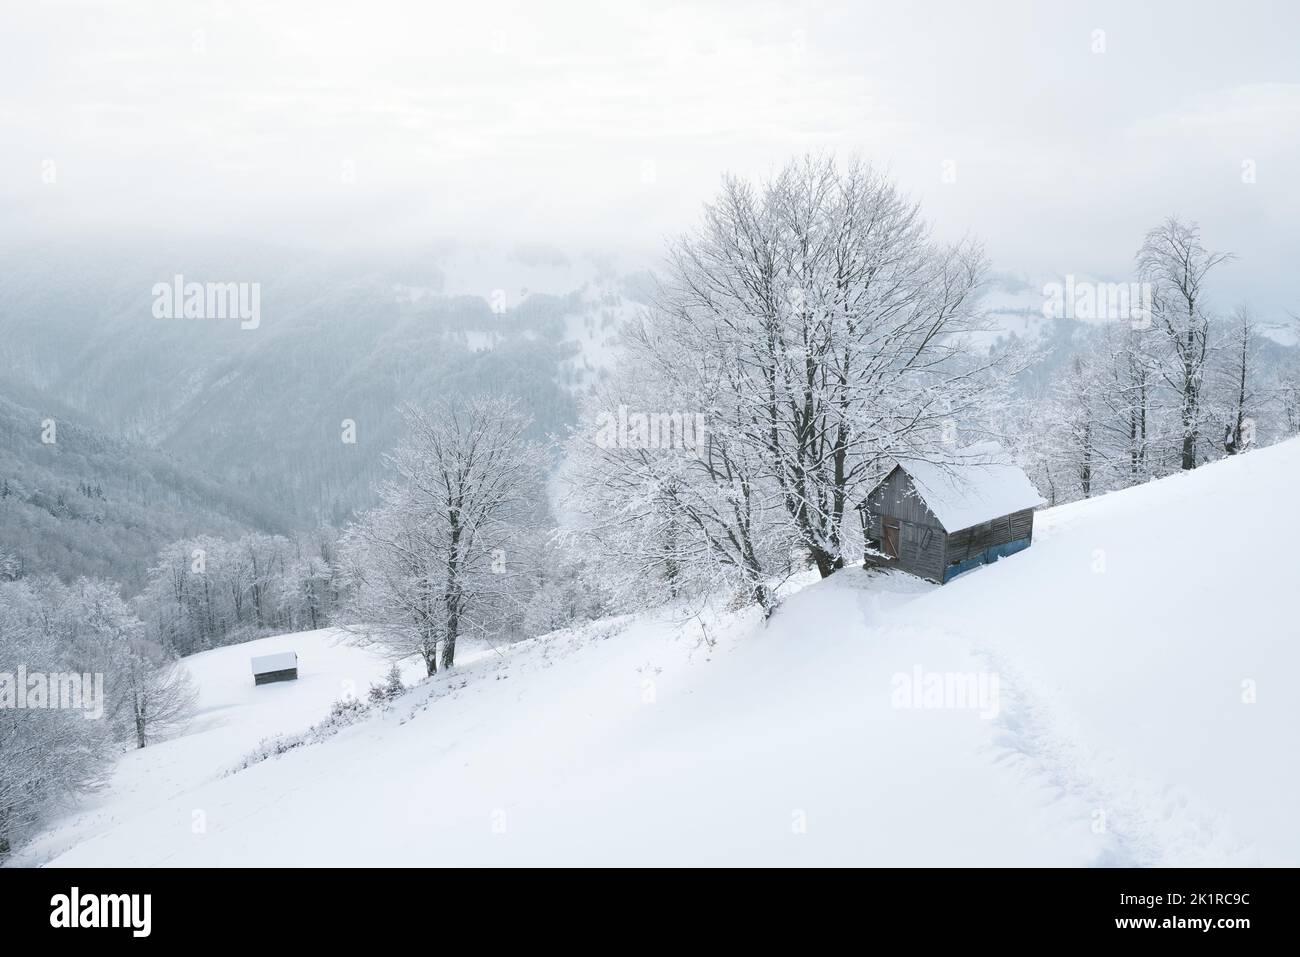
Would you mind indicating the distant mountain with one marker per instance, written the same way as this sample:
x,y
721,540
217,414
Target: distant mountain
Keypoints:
x,y
75,502
341,341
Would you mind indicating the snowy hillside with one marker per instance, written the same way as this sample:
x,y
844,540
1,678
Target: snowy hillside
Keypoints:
x,y
232,717
1142,714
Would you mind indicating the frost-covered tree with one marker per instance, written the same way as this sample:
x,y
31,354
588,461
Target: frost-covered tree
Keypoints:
x,y
1129,416
148,693
1082,449
687,507
46,755
1028,428
11,567
302,591
205,592
570,587
1241,399
444,553
1176,264
839,330
1286,391
151,692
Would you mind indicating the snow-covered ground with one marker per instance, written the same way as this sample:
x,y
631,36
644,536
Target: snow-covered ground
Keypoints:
x,y
1143,714
232,717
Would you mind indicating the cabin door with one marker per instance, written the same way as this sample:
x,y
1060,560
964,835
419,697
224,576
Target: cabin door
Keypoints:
x,y
889,539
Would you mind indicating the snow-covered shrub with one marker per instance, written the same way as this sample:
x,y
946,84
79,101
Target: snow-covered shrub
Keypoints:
x,y
389,689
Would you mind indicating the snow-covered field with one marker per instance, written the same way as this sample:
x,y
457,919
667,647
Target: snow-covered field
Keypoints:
x,y
231,718
1143,713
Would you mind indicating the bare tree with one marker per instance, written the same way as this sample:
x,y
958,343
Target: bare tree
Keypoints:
x,y
1287,395
1242,398
1127,403
46,754
677,520
148,692
1176,264
155,691
1073,421
438,557
842,326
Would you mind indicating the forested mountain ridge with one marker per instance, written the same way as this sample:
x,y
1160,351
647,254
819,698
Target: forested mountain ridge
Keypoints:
x,y
297,412
75,502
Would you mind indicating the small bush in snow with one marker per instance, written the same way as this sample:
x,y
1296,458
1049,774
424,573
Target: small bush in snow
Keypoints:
x,y
390,688
343,712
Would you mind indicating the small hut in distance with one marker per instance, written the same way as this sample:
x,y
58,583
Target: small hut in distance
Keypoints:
x,y
939,519
280,666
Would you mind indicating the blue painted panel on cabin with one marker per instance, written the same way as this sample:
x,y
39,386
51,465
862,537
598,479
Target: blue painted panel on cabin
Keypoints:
x,y
986,557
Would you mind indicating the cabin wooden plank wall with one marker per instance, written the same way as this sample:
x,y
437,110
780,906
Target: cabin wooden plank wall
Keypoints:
x,y
922,538
968,542
266,677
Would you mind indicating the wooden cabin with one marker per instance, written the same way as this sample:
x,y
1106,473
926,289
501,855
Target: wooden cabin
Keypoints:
x,y
281,666
939,519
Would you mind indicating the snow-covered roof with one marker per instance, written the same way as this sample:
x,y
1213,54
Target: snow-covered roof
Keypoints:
x,y
974,485
279,661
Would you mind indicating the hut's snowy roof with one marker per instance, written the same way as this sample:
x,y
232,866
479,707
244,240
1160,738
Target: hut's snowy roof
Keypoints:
x,y
974,485
279,661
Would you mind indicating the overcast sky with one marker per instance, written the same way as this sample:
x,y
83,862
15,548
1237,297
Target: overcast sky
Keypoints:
x,y
609,124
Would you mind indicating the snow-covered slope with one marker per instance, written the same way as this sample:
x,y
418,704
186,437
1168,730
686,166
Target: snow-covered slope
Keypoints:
x,y
1142,714
231,718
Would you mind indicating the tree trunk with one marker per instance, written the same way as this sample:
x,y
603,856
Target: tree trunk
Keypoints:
x,y
1189,443
449,642
826,563
454,594
428,651
1085,471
